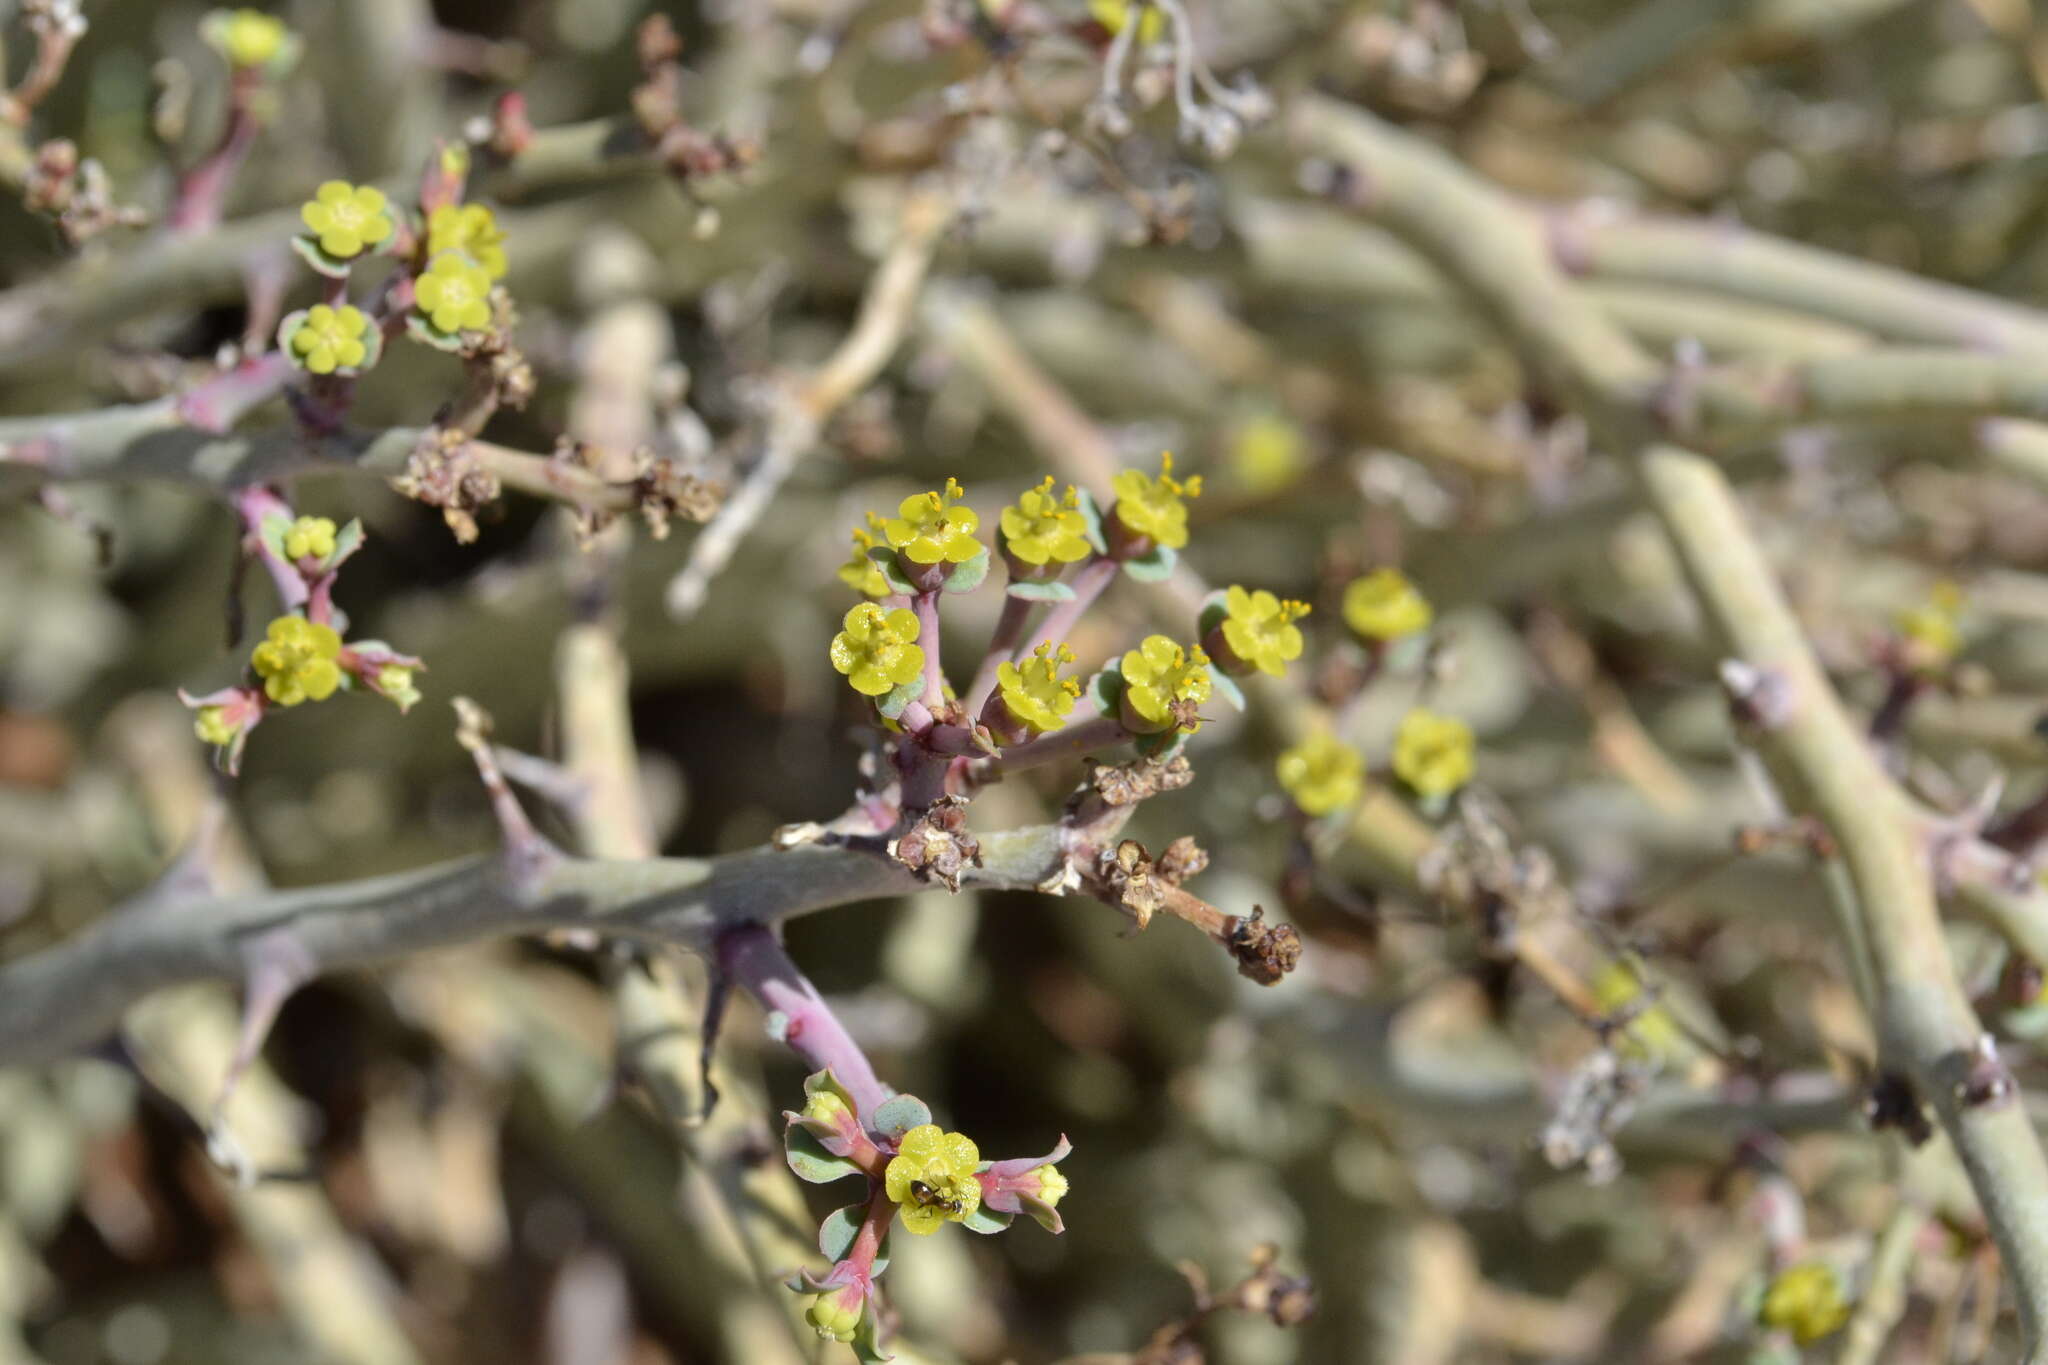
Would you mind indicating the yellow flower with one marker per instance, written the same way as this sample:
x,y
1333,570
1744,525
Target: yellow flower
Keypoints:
x,y
1035,693
860,573
1267,453
1652,1033
1052,1186
1433,753
1384,605
931,1178
212,725
1322,774
395,684
1114,14
875,652
455,294
930,528
309,538
297,661
1805,1300
469,228
835,1315
346,218
330,339
825,1105
1163,684
1931,630
1258,629
1155,508
246,37
1039,528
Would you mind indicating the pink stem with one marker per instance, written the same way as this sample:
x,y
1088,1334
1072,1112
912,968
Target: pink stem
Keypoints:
x,y
202,190
1009,629
750,955
216,404
926,605
252,505
1058,624
1100,732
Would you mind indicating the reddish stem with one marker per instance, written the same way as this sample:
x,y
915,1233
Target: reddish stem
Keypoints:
x,y
1059,623
203,189
750,955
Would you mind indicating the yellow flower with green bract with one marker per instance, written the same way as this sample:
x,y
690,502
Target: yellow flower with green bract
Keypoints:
x,y
934,528
861,573
1384,605
1932,630
1114,14
346,219
931,1178
454,294
877,650
1259,631
1155,508
471,229
297,661
213,727
309,538
1035,693
329,339
1163,685
1322,774
1040,529
248,38
836,1314
1805,1300
1052,1185
1433,753
395,682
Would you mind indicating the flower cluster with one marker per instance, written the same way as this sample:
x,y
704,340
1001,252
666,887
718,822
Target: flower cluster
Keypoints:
x,y
251,41
1322,773
329,340
1805,1300
918,1174
304,655
1164,686
877,650
1257,633
1433,753
1040,529
1384,606
347,220
1033,695
861,572
934,528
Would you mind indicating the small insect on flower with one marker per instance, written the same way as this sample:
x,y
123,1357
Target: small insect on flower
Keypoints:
x,y
1164,686
931,1178
1154,510
925,1196
347,219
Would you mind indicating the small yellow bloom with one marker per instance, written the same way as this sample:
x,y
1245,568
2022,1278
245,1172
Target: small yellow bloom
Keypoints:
x,y
248,38
471,229
1805,1300
395,682
331,339
297,661
1259,629
1322,774
1052,1186
455,294
835,1315
875,650
1114,14
1652,1033
826,1106
347,218
933,528
309,538
1384,605
1932,630
1041,529
1163,684
1035,693
1267,453
931,1178
1155,508
212,726
861,573
1433,754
